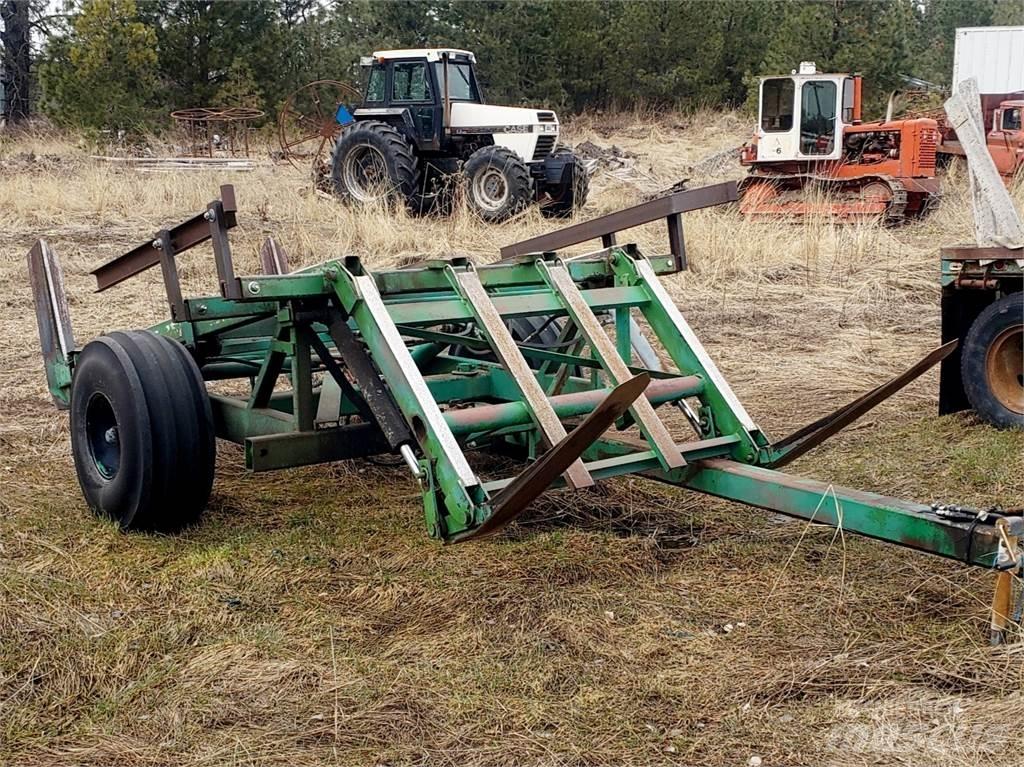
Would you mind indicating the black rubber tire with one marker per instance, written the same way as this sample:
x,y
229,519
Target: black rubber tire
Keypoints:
x,y
516,177
538,330
399,159
568,198
159,474
995,321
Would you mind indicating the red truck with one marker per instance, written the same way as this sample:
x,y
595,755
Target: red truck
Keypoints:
x,y
995,57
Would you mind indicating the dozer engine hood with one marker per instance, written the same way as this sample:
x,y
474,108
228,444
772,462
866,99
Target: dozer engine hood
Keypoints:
x,y
530,133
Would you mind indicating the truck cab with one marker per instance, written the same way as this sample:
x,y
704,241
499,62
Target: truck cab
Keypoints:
x,y
1006,139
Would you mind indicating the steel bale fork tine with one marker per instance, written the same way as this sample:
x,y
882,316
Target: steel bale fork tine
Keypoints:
x,y
442,360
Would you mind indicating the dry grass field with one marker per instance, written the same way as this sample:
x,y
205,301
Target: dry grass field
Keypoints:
x,y
310,621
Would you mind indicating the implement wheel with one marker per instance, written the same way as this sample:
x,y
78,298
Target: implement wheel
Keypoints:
x,y
142,431
992,363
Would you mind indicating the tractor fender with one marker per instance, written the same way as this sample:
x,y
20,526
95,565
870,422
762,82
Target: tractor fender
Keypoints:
x,y
558,168
399,117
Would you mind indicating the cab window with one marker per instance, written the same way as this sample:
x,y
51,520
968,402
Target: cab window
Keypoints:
x,y
1011,119
461,86
848,95
375,84
817,117
410,82
777,105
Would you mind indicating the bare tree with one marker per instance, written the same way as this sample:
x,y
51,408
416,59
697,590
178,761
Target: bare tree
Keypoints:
x,y
16,69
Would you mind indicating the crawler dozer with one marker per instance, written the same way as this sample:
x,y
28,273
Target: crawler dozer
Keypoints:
x,y
810,136
437,363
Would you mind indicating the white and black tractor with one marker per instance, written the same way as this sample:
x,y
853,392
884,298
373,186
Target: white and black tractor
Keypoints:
x,y
423,126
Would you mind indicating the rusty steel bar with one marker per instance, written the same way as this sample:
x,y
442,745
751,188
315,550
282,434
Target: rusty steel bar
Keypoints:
x,y
487,417
185,235
605,227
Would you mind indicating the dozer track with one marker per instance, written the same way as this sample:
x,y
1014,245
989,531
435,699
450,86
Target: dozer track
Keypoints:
x,y
784,194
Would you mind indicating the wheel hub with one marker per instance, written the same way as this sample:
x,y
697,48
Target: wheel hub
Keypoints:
x,y
366,174
490,189
1004,368
102,436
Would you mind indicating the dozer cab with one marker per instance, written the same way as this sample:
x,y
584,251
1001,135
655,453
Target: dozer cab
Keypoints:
x,y
810,134
423,124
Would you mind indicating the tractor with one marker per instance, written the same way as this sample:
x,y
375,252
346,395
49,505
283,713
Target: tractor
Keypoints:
x,y
423,124
810,132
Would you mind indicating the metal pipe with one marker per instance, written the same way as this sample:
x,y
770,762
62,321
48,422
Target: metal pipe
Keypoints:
x,y
410,460
489,417
642,347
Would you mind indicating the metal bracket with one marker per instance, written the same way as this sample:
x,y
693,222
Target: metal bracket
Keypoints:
x,y
53,318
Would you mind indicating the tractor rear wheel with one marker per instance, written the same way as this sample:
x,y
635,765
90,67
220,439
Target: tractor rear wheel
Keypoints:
x,y
373,162
142,432
571,195
992,363
497,183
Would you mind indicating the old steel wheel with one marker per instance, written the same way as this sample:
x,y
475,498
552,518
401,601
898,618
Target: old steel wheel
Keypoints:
x,y
308,123
365,173
1004,368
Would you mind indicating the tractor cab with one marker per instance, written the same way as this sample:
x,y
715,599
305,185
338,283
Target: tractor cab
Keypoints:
x,y
801,116
419,86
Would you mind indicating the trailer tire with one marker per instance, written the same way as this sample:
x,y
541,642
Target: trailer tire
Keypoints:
x,y
142,433
373,162
992,363
569,197
498,183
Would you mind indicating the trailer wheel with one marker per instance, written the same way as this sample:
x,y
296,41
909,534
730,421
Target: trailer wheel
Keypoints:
x,y
497,182
992,362
373,162
569,197
142,431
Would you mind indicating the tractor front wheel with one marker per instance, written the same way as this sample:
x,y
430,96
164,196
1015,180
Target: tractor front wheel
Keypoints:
x,y
992,363
373,162
142,432
497,183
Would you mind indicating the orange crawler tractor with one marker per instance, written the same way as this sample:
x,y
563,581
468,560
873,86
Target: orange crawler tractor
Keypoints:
x,y
810,134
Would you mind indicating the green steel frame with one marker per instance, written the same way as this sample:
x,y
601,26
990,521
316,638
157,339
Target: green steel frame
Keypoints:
x,y
340,362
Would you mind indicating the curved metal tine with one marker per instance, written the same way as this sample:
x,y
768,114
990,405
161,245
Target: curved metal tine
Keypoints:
x,y
812,435
514,499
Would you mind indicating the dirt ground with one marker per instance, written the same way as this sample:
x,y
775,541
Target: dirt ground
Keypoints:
x,y
309,620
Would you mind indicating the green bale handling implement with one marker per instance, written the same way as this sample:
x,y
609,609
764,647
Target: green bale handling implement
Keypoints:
x,y
540,357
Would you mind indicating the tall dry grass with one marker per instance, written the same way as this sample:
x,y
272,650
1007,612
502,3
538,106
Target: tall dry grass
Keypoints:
x,y
309,621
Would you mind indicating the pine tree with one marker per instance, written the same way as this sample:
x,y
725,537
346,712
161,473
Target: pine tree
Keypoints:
x,y
103,74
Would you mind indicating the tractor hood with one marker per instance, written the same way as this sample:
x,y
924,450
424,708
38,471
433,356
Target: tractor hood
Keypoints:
x,y
530,133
